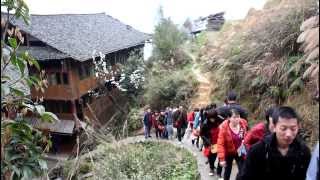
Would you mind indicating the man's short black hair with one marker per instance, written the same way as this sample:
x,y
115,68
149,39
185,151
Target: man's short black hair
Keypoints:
x,y
232,96
284,112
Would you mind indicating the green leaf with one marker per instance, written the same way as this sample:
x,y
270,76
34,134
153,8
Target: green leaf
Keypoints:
x,y
16,170
35,63
16,91
14,157
35,79
21,66
42,164
29,81
5,77
13,59
4,90
27,173
40,109
49,117
12,42
296,85
29,106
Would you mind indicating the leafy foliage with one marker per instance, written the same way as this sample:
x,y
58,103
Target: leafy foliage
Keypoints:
x,y
133,74
162,91
22,146
144,160
167,40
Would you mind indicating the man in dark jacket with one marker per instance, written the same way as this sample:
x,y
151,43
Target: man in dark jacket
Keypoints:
x,y
280,155
147,123
232,104
180,122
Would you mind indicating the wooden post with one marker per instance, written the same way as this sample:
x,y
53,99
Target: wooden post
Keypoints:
x,y
93,115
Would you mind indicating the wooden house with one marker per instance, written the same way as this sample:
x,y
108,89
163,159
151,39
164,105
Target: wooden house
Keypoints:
x,y
64,44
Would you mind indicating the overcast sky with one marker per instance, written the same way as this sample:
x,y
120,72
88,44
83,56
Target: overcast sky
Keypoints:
x,y
142,14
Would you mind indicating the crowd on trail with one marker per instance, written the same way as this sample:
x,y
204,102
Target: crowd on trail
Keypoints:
x,y
271,149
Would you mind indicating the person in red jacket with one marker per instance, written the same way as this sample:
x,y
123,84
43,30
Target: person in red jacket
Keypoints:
x,y
260,130
209,134
191,116
231,134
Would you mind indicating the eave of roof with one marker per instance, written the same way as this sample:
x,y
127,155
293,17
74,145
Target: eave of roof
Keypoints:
x,y
95,32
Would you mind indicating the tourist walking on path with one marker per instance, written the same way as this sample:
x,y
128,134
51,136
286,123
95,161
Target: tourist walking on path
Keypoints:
x,y
209,133
232,104
156,124
313,169
280,155
203,119
169,123
230,138
196,127
180,122
260,130
147,123
191,116
161,124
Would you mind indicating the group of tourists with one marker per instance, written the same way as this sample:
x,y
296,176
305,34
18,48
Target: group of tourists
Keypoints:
x,y
164,123
271,149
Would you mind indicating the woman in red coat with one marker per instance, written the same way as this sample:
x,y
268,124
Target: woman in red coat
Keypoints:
x,y
230,138
260,130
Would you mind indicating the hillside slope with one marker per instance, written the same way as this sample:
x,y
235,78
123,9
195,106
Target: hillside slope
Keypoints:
x,y
270,58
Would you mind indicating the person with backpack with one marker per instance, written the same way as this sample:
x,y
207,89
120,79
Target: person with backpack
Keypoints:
x,y
196,127
230,140
280,155
180,122
209,133
260,130
203,118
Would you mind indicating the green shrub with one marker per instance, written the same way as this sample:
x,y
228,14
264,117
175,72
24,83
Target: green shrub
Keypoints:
x,y
144,160
167,39
172,89
134,119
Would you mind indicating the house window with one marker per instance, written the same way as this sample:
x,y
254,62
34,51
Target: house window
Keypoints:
x,y
66,106
81,72
56,78
65,78
85,71
52,79
92,71
57,106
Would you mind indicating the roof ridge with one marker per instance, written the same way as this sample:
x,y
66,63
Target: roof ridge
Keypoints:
x,y
100,13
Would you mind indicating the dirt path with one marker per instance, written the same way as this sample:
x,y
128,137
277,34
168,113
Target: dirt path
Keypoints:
x,y
202,96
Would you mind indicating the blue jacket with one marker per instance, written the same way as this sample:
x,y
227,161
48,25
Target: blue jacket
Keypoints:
x,y
313,169
169,118
197,120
